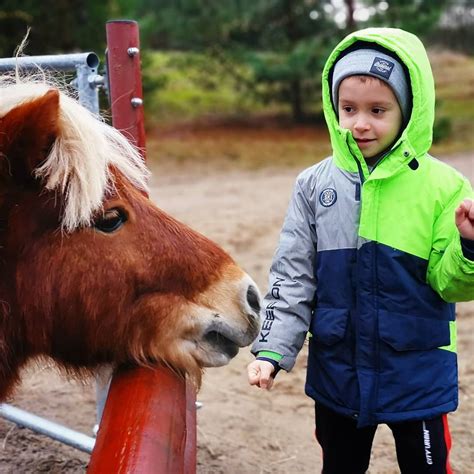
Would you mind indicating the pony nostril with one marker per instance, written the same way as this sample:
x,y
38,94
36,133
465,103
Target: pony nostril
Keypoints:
x,y
253,298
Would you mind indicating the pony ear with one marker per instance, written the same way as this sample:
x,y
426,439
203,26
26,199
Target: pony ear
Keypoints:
x,y
27,133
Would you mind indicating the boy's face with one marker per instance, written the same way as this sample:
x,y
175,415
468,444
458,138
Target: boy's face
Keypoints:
x,y
369,109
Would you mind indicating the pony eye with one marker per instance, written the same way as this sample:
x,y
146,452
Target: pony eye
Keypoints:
x,y
111,220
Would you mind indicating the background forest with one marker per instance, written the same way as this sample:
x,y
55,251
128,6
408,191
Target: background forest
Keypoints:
x,y
252,61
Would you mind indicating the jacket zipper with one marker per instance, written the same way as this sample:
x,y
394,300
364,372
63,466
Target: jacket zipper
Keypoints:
x,y
371,403
358,196
358,186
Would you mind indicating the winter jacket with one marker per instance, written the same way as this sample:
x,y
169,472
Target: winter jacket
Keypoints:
x,y
370,263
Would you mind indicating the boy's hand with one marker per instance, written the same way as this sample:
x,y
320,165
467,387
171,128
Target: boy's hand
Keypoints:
x,y
259,373
465,219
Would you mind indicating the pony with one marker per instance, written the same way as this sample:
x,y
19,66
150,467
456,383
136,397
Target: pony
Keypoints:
x,y
92,272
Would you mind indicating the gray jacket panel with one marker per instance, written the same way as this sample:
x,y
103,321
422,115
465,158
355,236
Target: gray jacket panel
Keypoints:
x,y
319,218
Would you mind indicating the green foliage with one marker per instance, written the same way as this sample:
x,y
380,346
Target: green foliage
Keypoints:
x,y
192,85
181,24
283,43
56,25
417,16
248,54
442,129
456,31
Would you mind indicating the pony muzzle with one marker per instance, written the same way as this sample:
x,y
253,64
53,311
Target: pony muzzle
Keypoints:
x,y
231,328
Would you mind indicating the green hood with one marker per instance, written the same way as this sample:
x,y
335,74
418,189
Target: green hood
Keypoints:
x,y
415,141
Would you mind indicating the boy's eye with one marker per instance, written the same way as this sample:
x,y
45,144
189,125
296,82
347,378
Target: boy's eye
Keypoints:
x,y
347,108
377,110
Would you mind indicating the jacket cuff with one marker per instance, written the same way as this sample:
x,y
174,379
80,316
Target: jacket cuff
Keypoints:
x,y
467,247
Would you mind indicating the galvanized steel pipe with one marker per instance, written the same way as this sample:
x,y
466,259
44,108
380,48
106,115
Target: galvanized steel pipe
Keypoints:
x,y
57,62
83,64
49,428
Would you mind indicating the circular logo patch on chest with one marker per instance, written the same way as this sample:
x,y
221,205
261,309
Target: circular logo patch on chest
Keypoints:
x,y
328,197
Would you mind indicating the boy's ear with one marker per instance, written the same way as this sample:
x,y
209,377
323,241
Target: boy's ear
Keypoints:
x,y
27,133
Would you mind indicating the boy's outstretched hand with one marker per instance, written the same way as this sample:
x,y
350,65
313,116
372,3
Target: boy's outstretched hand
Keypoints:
x,y
465,219
260,373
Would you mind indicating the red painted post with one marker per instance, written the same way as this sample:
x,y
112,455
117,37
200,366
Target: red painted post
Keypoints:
x,y
125,81
149,420
144,427
191,435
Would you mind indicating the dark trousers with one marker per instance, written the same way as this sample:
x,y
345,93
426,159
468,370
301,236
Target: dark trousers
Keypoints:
x,y
422,446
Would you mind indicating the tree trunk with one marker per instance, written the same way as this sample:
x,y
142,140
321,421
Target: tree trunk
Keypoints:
x,y
295,98
350,24
295,83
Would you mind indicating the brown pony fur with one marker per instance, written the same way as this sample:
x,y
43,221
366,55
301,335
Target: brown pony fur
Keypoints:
x,y
148,292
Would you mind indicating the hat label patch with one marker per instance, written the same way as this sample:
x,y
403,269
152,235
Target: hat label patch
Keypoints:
x,y
382,67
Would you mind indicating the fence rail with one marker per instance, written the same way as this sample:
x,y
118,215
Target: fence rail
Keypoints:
x,y
58,62
148,425
47,427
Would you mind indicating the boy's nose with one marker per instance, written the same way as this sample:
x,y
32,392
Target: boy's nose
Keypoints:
x,y
361,124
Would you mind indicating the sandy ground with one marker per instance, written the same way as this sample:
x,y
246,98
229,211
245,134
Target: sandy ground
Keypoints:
x,y
241,430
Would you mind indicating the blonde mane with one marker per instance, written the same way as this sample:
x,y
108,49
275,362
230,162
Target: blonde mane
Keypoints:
x,y
86,150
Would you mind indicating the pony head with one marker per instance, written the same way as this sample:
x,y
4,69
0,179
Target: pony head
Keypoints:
x,y
92,271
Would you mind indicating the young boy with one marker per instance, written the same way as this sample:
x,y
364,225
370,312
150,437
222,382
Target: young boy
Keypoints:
x,y
377,243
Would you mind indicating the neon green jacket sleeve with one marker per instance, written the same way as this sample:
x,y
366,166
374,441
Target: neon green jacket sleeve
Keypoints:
x,y
450,273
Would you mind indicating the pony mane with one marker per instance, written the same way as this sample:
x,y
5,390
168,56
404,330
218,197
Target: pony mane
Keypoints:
x,y
82,159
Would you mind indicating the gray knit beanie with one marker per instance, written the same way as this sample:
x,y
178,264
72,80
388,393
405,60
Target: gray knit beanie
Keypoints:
x,y
370,62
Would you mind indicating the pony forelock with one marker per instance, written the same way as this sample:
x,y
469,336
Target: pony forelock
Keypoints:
x,y
82,159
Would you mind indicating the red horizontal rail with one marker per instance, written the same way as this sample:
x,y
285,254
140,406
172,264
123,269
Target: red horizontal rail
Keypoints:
x,y
148,425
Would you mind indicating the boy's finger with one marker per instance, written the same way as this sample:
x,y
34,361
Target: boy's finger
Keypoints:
x,y
253,375
266,380
267,385
461,212
469,207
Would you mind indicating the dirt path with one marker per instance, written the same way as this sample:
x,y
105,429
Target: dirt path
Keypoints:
x,y
240,429
243,430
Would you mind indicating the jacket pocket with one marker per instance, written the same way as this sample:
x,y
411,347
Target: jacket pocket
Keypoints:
x,y
329,325
412,333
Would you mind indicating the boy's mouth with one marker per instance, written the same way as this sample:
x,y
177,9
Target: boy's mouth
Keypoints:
x,y
363,142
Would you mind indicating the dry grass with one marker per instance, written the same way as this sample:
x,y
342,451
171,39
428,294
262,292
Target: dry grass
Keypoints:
x,y
267,141
243,147
454,75
454,79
